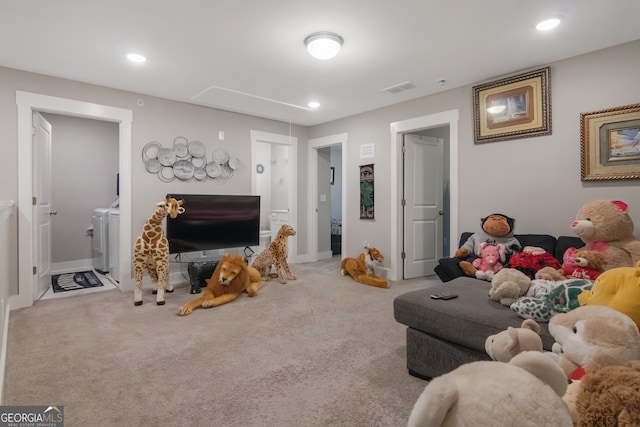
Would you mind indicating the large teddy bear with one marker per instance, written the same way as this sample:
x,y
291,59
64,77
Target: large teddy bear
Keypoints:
x,y
495,229
605,226
593,334
525,392
618,288
606,395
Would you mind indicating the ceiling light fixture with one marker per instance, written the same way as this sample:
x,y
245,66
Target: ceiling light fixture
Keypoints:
x,y
323,45
548,24
134,57
313,104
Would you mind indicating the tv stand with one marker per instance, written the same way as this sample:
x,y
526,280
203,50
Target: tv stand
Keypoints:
x,y
199,268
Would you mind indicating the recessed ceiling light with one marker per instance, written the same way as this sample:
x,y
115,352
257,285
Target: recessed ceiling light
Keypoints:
x,y
313,104
134,57
548,24
323,45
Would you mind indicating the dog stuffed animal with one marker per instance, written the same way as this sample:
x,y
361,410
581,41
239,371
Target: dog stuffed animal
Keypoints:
x,y
505,345
606,396
593,334
605,226
495,229
508,285
525,392
362,268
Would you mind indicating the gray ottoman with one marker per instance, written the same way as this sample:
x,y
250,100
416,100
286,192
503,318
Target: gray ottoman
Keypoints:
x,y
444,334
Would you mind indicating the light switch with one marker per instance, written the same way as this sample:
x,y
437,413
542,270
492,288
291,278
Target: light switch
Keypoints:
x,y
323,197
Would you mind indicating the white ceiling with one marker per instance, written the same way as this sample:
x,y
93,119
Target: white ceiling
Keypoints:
x,y
248,55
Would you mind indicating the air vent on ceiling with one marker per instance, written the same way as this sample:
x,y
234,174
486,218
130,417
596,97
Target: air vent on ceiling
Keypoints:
x,y
399,87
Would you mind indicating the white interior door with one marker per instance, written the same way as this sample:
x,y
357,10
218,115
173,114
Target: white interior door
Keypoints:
x,y
423,204
43,210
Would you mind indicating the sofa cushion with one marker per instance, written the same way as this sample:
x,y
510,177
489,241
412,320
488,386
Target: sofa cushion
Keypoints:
x,y
544,241
467,320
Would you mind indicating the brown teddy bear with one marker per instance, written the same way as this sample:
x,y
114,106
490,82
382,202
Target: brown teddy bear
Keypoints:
x,y
496,229
606,227
606,396
585,264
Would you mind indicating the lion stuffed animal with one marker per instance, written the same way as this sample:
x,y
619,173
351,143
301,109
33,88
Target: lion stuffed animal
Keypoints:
x,y
361,269
231,277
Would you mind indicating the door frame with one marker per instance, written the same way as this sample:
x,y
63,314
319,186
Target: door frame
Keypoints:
x,y
292,143
398,129
27,103
312,168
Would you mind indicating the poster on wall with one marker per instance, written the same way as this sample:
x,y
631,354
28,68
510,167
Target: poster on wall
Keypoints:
x,y
366,192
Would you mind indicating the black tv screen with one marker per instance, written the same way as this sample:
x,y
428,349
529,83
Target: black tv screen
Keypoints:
x,y
214,222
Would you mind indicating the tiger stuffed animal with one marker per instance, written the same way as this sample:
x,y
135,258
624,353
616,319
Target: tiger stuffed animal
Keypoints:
x,y
361,269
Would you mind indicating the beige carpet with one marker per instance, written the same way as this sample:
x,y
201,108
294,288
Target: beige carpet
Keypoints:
x,y
319,351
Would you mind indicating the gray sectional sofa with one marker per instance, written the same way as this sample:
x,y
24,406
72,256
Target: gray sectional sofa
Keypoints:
x,y
444,334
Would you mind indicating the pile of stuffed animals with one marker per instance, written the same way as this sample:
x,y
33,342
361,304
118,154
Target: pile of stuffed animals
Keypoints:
x,y
591,378
606,271
592,305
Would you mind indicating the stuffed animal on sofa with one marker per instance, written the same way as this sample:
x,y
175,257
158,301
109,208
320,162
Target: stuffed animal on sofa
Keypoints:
x,y
618,288
605,226
531,260
578,264
490,261
562,297
495,229
593,334
508,285
505,345
589,264
606,395
525,392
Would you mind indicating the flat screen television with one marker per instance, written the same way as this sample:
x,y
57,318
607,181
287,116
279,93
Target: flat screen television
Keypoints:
x,y
214,222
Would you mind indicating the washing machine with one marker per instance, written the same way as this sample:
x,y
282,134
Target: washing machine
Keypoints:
x,y
100,241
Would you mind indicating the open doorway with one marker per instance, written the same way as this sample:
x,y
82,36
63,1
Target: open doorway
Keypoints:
x,y
27,103
273,178
325,153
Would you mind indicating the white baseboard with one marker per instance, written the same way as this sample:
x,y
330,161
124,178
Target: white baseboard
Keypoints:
x,y
325,255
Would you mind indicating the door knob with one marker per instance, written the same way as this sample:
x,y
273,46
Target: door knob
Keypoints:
x,y
53,213
440,213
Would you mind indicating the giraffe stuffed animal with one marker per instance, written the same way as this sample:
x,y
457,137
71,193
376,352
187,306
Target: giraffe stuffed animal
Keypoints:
x,y
151,251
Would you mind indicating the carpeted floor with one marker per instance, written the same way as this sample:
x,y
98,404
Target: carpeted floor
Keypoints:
x,y
319,351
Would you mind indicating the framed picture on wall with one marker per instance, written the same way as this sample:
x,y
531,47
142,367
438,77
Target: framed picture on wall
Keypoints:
x,y
514,107
610,144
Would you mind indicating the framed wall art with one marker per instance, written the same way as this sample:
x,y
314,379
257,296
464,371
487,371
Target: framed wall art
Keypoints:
x,y
367,205
514,107
610,144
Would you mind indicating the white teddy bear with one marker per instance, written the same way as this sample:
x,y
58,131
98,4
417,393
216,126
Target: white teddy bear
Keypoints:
x,y
476,394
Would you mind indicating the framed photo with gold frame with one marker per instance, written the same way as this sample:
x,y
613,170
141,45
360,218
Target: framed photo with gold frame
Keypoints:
x,y
610,144
514,107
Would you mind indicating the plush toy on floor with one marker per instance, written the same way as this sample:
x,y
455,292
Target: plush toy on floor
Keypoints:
x,y
362,268
230,279
606,396
151,251
593,334
276,255
526,392
495,229
605,226
507,344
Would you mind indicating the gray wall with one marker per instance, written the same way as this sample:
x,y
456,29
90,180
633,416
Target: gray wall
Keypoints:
x,y
84,156
535,180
